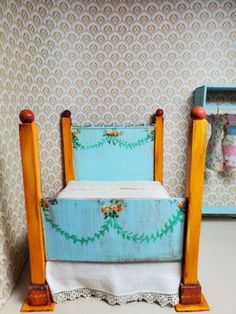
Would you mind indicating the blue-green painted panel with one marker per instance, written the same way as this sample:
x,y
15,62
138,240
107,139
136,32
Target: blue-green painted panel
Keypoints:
x,y
200,96
114,230
221,87
220,108
115,153
219,210
231,129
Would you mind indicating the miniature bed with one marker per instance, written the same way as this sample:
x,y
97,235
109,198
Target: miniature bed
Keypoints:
x,y
113,231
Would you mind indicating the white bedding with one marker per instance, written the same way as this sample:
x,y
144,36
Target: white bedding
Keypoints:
x,y
117,283
113,190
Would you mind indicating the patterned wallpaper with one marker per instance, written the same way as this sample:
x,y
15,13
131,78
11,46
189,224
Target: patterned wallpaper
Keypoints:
x,y
107,62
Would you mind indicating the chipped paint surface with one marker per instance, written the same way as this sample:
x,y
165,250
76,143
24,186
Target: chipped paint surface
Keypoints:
x,y
80,230
122,153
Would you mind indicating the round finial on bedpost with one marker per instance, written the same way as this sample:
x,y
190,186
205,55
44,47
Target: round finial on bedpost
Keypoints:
x,y
159,113
198,113
66,114
26,116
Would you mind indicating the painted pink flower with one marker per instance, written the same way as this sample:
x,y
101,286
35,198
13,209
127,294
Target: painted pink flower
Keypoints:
x,y
105,210
119,207
182,204
45,203
113,133
112,209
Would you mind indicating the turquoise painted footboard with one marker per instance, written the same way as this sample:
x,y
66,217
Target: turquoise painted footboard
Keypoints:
x,y
113,230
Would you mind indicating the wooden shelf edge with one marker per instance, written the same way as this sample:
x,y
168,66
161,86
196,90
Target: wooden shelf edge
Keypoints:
x,y
203,306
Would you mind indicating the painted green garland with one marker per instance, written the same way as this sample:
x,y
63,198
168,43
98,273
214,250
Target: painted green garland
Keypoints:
x,y
112,137
82,240
111,222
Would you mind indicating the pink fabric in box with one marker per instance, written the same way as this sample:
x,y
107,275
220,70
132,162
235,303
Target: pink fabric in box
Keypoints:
x,y
229,143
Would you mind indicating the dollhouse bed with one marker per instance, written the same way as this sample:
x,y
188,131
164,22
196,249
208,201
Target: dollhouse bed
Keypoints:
x,y
113,231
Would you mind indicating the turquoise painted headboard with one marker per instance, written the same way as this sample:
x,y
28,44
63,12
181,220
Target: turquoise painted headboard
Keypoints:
x,y
113,153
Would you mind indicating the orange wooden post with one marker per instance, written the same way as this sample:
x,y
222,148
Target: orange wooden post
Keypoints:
x,y
159,134
191,297
69,173
38,296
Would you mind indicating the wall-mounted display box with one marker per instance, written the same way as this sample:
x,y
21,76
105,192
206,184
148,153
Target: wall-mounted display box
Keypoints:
x,y
222,100
201,96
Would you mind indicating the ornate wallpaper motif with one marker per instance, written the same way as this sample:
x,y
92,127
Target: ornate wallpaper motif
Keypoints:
x,y
13,246
107,62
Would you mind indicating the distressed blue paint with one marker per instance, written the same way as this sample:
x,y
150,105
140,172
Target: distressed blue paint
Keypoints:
x,y
219,210
84,218
112,162
231,129
200,97
221,87
221,108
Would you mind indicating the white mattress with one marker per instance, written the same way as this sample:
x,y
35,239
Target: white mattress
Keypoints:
x,y
113,189
117,283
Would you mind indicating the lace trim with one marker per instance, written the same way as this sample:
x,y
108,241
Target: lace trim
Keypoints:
x,y
149,297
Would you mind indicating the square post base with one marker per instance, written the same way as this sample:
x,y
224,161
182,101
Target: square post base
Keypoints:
x,y
191,299
190,294
202,306
38,299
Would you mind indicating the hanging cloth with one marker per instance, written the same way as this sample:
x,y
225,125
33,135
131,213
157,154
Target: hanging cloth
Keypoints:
x,y
215,156
229,143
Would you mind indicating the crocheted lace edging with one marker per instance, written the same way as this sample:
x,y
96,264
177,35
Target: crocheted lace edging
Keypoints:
x,y
149,297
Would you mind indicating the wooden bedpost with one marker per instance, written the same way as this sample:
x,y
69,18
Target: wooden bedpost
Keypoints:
x,y
159,133
38,296
67,146
191,297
